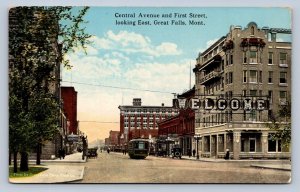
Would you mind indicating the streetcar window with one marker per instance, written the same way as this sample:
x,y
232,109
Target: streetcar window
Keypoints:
x,y
141,145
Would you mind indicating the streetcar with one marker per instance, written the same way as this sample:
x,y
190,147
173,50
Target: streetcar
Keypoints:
x,y
138,148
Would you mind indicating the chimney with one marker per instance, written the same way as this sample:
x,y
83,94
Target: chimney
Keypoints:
x,y
162,104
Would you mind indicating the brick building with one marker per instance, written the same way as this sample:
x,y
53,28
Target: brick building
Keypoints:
x,y
180,128
69,98
113,140
251,63
137,121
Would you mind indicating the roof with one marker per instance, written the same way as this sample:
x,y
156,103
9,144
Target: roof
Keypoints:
x,y
188,93
131,106
281,30
213,45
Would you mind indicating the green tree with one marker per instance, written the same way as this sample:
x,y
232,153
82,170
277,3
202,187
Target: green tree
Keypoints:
x,y
39,37
281,124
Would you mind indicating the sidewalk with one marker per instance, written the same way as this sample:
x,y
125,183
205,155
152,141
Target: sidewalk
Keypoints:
x,y
284,165
72,158
59,171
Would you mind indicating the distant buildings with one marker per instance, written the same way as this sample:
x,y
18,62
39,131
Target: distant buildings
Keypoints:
x,y
137,121
112,142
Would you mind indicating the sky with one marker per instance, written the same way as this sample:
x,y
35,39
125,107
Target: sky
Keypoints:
x,y
146,57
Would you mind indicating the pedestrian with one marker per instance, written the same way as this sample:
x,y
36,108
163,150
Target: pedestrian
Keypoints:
x,y
194,152
59,153
108,150
227,155
189,153
125,151
63,153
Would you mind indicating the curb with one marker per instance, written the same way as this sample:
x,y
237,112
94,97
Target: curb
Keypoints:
x,y
70,181
274,168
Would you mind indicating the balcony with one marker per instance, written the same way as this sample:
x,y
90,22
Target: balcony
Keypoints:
x,y
209,76
216,59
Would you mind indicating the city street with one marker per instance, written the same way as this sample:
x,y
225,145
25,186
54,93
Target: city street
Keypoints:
x,y
118,168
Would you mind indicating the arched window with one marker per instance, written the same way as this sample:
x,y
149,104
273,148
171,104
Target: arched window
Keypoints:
x,y
252,30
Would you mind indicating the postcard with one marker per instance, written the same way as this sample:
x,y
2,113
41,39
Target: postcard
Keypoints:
x,y
150,95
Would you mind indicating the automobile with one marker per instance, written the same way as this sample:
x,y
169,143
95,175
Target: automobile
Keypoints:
x,y
92,152
176,152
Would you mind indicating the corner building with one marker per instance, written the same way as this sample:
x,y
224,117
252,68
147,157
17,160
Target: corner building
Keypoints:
x,y
250,63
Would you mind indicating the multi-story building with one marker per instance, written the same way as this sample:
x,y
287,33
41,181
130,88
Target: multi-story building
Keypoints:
x,y
251,63
181,127
113,140
69,97
137,121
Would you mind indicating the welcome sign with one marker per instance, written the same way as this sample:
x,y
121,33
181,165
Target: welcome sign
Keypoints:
x,y
217,103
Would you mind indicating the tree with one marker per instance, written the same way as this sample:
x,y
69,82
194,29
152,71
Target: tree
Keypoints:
x,y
39,37
281,124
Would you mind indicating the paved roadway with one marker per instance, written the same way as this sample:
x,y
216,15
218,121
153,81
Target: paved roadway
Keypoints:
x,y
118,168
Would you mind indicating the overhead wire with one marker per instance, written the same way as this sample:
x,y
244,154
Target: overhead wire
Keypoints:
x,y
118,87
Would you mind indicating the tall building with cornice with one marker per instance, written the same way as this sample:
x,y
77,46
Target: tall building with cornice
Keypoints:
x,y
248,63
138,121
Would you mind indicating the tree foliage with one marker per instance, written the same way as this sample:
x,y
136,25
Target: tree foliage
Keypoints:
x,y
39,38
281,124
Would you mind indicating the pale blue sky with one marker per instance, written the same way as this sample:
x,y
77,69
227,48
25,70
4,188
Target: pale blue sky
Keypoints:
x,y
148,57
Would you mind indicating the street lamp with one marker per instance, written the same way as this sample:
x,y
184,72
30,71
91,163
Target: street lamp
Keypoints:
x,y
197,138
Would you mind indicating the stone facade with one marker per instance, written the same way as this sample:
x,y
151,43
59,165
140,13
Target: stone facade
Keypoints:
x,y
250,63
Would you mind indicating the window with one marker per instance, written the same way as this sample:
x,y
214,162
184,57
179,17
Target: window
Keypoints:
x,y
260,77
283,58
283,78
253,57
282,94
244,57
274,145
270,58
253,92
242,145
244,92
252,30
230,77
270,79
282,97
231,59
253,76
244,76
222,65
273,36
279,145
271,145
270,94
252,144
